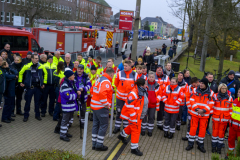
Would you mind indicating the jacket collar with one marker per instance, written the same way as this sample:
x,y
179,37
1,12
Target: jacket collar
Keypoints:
x,y
181,83
207,91
107,76
222,96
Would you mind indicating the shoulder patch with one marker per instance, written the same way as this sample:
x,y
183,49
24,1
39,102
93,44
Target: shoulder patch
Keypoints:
x,y
130,98
67,94
107,86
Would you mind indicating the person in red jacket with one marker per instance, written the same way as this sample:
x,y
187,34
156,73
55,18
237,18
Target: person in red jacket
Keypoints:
x,y
139,72
134,111
182,84
153,92
221,116
172,96
202,102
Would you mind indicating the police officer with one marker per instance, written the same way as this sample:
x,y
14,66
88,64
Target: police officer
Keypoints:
x,y
100,104
49,88
34,80
9,94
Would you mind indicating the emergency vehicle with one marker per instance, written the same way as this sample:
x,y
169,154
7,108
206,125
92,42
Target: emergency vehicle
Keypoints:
x,y
109,37
66,37
20,40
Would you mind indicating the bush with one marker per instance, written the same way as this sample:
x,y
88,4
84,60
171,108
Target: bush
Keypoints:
x,y
42,154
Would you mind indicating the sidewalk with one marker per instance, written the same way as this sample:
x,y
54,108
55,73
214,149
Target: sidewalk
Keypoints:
x,y
19,136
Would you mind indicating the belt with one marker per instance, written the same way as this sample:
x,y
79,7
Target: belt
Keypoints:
x,y
35,85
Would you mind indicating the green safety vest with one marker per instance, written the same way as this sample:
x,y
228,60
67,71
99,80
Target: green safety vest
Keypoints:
x,y
236,112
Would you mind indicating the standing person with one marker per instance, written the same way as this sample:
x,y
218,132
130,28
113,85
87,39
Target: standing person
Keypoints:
x,y
177,41
132,65
214,87
111,63
194,85
187,76
163,81
134,110
57,58
124,83
58,75
144,70
148,59
33,77
28,58
9,52
159,51
164,49
172,96
139,62
139,72
153,102
231,82
234,129
121,65
9,94
170,53
202,102
221,116
4,55
17,65
182,84
89,64
49,90
69,95
116,49
43,59
83,84
76,63
68,63
100,103
171,41
145,51
81,61
154,65
2,83
174,49
168,70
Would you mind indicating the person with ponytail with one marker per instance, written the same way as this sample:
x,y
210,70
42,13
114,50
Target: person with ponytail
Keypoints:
x,y
134,110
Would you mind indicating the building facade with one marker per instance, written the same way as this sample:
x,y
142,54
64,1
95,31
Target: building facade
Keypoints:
x,y
93,11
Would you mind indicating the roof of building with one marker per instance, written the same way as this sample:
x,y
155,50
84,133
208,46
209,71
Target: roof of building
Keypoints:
x,y
102,2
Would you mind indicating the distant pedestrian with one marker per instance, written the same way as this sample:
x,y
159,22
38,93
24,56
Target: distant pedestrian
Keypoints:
x,y
116,49
159,51
174,49
171,41
170,53
28,58
164,49
148,59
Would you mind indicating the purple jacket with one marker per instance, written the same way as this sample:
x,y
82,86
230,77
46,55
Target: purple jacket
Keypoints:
x,y
83,82
68,96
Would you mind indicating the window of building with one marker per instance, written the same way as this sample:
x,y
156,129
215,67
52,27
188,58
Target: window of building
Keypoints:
x,y
63,9
76,13
77,3
8,17
50,6
8,1
35,46
13,14
60,8
27,3
85,34
2,16
46,6
70,10
56,7
23,2
32,3
27,20
18,43
18,2
13,1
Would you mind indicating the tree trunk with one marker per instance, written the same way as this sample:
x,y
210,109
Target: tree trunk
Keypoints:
x,y
206,36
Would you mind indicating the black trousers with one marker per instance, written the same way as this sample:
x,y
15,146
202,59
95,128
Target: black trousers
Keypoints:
x,y
48,91
19,93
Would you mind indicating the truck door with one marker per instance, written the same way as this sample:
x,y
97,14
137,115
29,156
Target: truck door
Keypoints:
x,y
48,40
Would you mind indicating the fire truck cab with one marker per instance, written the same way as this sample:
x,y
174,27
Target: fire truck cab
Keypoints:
x,y
66,37
20,41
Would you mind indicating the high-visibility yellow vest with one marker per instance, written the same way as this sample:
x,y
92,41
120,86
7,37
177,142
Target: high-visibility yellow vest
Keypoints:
x,y
236,112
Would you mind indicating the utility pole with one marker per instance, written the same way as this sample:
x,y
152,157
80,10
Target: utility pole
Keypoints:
x,y
184,18
206,36
136,27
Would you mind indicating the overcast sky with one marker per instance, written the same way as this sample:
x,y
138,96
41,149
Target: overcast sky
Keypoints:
x,y
149,8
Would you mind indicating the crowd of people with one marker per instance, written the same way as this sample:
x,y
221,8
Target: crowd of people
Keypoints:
x,y
140,89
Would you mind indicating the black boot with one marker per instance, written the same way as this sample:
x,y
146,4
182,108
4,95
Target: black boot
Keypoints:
x,y
165,134
66,139
149,134
116,130
184,138
123,139
189,147
219,150
178,127
170,136
160,127
183,123
143,133
103,148
136,152
201,147
214,150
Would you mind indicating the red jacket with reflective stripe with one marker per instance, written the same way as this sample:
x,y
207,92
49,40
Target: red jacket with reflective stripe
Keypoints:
x,y
133,106
124,83
163,81
188,94
201,100
172,97
184,86
222,109
101,92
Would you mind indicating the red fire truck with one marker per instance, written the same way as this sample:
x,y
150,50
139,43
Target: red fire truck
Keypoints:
x,y
65,37
20,41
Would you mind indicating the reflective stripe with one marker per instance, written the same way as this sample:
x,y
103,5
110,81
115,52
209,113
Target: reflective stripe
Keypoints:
x,y
103,100
199,114
174,110
129,106
172,106
221,109
216,119
124,116
177,102
236,112
137,108
133,114
200,104
124,94
134,95
95,101
191,99
65,90
224,120
235,123
97,106
70,97
133,120
68,105
121,97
